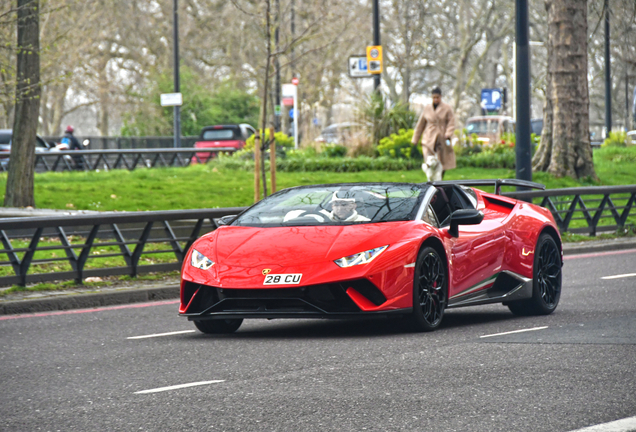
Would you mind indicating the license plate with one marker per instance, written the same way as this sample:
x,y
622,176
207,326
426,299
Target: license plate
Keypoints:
x,y
282,279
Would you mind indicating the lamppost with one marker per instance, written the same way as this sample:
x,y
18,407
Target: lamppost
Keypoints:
x,y
608,77
522,90
376,39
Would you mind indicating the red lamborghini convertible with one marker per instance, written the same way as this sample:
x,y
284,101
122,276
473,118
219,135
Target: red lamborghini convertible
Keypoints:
x,y
374,249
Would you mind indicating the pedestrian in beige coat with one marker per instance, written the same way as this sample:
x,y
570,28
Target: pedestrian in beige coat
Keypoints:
x,y
435,129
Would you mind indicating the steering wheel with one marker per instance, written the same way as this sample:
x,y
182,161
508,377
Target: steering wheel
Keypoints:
x,y
319,217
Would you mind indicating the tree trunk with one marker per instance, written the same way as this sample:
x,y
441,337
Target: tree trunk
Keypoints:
x,y
21,167
565,148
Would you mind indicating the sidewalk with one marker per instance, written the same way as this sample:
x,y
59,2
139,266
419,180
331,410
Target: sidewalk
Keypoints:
x,y
134,291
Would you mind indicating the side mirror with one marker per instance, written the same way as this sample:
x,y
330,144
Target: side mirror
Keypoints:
x,y
464,217
225,220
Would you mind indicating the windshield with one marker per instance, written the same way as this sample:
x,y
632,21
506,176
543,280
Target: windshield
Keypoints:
x,y
482,126
218,134
336,205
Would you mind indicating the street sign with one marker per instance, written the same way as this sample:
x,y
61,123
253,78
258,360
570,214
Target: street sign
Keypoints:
x,y
295,81
290,97
277,110
289,92
374,59
358,67
171,99
491,99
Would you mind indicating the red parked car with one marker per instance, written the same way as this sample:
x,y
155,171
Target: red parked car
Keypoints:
x,y
374,249
229,137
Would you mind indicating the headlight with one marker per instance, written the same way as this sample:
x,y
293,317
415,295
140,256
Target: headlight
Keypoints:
x,y
360,258
200,261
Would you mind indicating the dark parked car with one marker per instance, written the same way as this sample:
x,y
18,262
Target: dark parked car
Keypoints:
x,y
5,144
222,136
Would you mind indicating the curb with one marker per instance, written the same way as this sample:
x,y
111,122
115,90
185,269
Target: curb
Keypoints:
x,y
601,246
86,301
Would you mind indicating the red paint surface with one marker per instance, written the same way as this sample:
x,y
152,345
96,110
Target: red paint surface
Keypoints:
x,y
203,157
505,240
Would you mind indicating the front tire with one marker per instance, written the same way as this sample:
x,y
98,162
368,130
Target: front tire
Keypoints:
x,y
546,280
430,287
218,326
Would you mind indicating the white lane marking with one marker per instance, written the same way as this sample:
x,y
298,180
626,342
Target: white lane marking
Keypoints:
x,y
515,331
409,265
623,425
619,276
161,334
180,386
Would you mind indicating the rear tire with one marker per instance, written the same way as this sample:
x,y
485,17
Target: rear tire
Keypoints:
x,y
546,280
430,286
218,326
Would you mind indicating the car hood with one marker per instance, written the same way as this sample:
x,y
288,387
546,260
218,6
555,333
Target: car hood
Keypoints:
x,y
247,246
242,254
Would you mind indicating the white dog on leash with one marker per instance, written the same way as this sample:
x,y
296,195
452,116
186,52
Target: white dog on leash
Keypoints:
x,y
432,167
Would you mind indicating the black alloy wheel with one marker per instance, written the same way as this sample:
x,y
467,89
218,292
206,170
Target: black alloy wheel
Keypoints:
x,y
218,326
546,284
430,287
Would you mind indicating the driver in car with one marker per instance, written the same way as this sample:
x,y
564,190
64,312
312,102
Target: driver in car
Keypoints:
x,y
343,207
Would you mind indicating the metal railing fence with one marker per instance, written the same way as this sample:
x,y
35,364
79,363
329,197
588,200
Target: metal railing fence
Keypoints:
x,y
40,249
91,160
120,143
586,210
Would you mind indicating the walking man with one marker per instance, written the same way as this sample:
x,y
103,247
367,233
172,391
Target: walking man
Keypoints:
x,y
435,129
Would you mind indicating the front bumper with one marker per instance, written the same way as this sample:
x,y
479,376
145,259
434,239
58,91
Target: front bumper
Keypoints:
x,y
334,300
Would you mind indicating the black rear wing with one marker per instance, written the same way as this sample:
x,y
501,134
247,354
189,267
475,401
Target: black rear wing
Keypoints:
x,y
497,183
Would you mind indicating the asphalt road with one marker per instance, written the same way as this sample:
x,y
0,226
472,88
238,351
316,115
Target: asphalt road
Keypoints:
x,y
77,370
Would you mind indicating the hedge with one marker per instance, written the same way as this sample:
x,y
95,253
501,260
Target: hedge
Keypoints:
x,y
365,163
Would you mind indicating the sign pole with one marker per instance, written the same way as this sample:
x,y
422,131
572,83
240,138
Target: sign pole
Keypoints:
x,y
296,120
376,38
257,166
272,160
177,109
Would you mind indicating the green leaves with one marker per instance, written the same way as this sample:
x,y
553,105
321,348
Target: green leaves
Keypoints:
x,y
203,105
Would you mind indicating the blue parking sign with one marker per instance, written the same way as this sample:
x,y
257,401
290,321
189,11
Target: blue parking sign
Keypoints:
x,y
491,99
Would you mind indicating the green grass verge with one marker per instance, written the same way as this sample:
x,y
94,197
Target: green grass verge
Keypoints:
x,y
71,285
209,186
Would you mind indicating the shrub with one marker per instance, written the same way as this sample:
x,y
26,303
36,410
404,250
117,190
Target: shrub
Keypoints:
x,y
399,146
615,139
384,119
488,160
333,150
282,140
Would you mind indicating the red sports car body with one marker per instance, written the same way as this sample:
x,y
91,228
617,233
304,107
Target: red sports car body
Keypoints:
x,y
411,250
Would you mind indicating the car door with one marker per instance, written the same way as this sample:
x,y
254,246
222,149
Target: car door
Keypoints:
x,y
477,252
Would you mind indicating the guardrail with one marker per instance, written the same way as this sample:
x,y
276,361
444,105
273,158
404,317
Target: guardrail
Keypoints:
x,y
592,206
91,160
127,142
41,249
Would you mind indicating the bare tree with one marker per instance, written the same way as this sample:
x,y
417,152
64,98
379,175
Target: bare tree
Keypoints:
x,y
20,180
565,148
